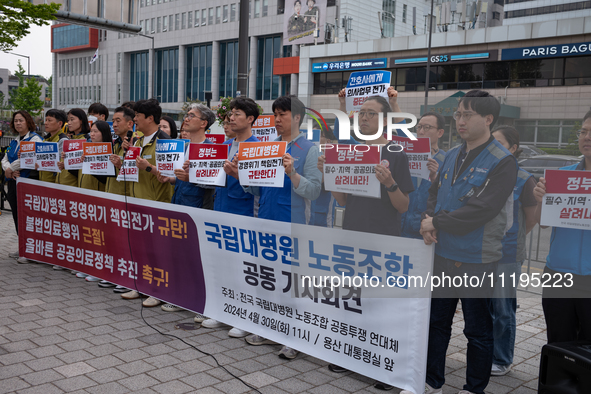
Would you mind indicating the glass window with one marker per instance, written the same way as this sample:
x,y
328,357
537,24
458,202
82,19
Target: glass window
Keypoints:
x,y
577,67
165,23
218,15
280,7
138,86
203,17
232,12
198,71
70,36
184,20
267,84
171,22
190,19
228,68
177,21
167,75
153,25
404,10
257,8
197,18
225,14
265,7
210,18
158,23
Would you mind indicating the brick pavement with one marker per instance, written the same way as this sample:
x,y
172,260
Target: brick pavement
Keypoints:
x,y
60,334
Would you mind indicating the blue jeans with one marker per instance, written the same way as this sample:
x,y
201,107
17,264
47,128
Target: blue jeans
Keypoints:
x,y
504,307
478,328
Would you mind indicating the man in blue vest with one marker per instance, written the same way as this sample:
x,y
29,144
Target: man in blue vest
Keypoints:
x,y
302,182
431,125
467,214
567,309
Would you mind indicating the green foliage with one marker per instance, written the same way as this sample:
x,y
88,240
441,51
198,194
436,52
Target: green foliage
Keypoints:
x,y
16,17
26,96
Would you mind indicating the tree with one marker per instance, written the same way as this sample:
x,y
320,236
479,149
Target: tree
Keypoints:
x,y
26,96
3,103
16,17
50,88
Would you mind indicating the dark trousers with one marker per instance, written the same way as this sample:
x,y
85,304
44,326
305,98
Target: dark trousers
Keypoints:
x,y
478,326
568,310
11,196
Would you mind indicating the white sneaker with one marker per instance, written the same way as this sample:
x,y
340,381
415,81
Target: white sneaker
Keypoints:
x,y
13,255
199,318
92,279
57,268
235,332
81,275
428,390
257,340
211,323
22,260
500,370
288,353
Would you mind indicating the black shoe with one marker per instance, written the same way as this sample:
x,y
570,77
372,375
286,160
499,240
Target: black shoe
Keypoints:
x,y
105,284
336,369
121,290
382,386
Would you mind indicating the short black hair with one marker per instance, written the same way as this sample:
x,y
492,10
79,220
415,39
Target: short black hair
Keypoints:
x,y
383,103
297,1
127,112
98,108
438,116
105,130
247,105
511,135
292,104
58,114
128,104
80,114
171,123
587,116
483,103
149,107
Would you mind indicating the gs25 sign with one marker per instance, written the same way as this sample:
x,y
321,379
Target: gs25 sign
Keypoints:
x,y
439,59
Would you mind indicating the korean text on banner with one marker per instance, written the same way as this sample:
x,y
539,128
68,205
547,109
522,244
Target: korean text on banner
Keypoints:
x,y
47,156
347,170
129,171
206,164
73,151
27,149
255,271
567,202
264,128
170,156
418,153
216,138
261,163
363,84
96,159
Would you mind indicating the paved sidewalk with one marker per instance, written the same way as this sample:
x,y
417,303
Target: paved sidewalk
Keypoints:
x,y
59,334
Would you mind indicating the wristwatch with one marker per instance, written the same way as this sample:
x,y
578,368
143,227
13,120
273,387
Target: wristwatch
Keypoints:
x,y
392,188
148,168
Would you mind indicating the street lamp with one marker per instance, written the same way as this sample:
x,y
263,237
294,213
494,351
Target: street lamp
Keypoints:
x,y
28,61
429,57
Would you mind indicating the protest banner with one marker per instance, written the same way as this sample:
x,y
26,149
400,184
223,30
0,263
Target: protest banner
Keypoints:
x,y
96,159
27,150
363,84
246,272
47,156
216,138
206,164
351,169
261,163
264,128
170,156
73,151
567,202
418,153
129,171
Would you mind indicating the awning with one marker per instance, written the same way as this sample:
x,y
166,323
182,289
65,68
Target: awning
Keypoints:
x,y
449,105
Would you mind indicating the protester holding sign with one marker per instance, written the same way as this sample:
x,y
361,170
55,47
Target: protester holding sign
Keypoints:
x,y
466,216
99,132
54,121
168,125
567,310
22,123
123,126
431,126
524,219
79,129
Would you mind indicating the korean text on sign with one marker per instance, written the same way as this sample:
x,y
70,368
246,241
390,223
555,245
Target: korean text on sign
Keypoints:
x,y
73,151
27,149
261,163
129,171
567,202
170,156
264,128
206,164
96,159
364,84
47,156
418,153
348,170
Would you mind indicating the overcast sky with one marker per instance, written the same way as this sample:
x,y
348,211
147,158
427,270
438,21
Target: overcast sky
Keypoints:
x,y
37,45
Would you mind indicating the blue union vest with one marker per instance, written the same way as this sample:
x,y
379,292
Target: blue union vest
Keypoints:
x,y
13,149
189,194
482,245
283,204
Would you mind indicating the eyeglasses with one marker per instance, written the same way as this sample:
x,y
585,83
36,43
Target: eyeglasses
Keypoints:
x,y
465,115
191,116
583,133
425,127
368,114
